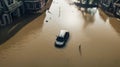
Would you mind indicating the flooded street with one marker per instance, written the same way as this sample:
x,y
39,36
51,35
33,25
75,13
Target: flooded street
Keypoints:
x,y
94,39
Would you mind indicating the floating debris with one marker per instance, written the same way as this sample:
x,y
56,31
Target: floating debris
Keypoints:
x,y
46,20
80,51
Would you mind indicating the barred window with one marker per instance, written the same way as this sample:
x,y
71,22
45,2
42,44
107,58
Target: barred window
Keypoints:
x,y
37,5
31,5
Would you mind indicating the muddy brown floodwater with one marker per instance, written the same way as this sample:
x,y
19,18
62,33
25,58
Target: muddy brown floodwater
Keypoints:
x,y
96,36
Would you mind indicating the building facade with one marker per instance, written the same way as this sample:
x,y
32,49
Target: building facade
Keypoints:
x,y
117,8
107,4
1,13
11,10
112,6
34,5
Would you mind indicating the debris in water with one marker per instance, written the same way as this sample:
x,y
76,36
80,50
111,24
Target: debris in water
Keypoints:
x,y
49,12
46,20
80,51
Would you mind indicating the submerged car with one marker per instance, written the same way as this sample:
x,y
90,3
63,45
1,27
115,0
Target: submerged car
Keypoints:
x,y
62,38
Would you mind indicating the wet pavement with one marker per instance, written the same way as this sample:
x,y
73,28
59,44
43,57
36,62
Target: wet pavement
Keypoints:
x,y
94,39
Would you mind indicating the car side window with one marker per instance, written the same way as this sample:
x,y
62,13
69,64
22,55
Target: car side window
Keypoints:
x,y
66,35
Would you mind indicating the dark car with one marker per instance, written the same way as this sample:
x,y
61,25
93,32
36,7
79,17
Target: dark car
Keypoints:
x,y
62,38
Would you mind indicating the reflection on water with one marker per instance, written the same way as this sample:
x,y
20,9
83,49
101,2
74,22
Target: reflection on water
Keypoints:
x,y
88,15
115,24
103,16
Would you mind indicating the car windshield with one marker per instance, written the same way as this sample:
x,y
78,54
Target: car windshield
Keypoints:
x,y
61,39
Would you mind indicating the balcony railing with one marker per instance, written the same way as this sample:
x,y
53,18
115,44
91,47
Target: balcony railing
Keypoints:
x,y
15,5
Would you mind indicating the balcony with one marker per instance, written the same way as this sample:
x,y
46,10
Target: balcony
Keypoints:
x,y
14,6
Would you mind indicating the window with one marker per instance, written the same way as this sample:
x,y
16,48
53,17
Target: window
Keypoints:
x,y
10,2
6,18
31,6
1,5
37,5
1,22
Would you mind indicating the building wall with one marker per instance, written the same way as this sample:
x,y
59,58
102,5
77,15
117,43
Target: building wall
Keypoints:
x,y
117,8
34,5
16,8
110,6
1,11
12,8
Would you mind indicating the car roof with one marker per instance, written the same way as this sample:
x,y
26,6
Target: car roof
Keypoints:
x,y
62,33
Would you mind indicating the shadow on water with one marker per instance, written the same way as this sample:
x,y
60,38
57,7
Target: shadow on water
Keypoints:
x,y
11,30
